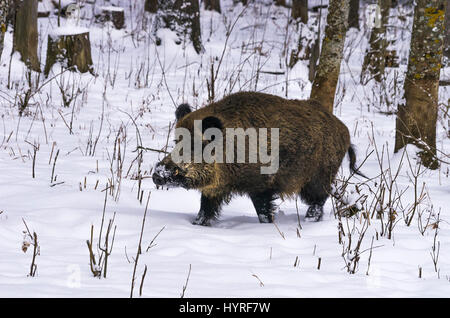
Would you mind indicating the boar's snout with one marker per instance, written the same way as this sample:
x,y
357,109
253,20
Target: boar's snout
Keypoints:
x,y
161,174
167,173
158,180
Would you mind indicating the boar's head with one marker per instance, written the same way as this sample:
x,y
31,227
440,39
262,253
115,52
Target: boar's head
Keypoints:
x,y
190,173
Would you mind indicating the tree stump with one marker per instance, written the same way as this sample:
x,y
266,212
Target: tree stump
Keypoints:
x,y
114,14
71,47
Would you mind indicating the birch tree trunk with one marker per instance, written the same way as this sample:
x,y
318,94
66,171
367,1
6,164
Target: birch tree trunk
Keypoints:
x,y
416,119
327,73
375,58
25,39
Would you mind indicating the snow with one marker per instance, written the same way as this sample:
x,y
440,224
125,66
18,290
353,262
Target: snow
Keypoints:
x,y
111,8
134,94
68,30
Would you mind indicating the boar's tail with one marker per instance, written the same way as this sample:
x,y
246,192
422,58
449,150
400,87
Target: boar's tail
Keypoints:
x,y
352,156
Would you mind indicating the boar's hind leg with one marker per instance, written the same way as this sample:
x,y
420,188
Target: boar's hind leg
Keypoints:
x,y
263,202
315,193
209,210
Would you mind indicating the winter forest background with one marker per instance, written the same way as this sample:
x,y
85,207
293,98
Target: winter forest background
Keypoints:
x,y
88,91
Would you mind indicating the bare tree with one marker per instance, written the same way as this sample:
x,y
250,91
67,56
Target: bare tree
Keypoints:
x,y
244,2
151,6
299,14
327,74
416,118
447,31
213,5
182,17
25,40
353,14
4,8
375,58
300,10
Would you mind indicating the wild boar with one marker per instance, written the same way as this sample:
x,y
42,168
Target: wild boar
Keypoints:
x,y
311,145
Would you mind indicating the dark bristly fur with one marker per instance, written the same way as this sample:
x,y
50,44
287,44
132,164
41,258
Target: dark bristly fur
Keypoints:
x,y
313,143
182,111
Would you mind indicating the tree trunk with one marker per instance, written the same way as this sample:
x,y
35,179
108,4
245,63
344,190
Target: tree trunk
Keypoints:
x,y
447,31
4,8
416,119
114,14
25,39
213,5
151,6
375,58
280,3
71,50
244,2
182,17
300,10
327,74
353,14
313,57
300,15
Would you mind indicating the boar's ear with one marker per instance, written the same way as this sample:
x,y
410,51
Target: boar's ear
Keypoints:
x,y
182,111
211,122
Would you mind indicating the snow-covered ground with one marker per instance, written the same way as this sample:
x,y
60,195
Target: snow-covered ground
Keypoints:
x,y
133,98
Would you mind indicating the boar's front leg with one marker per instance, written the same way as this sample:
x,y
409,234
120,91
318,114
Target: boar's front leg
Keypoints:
x,y
263,203
209,210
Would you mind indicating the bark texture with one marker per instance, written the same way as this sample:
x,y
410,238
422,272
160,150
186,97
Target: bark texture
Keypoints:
x,y
353,14
447,30
151,6
25,39
182,17
73,51
375,58
4,8
327,73
116,16
416,119
213,5
300,10
244,2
